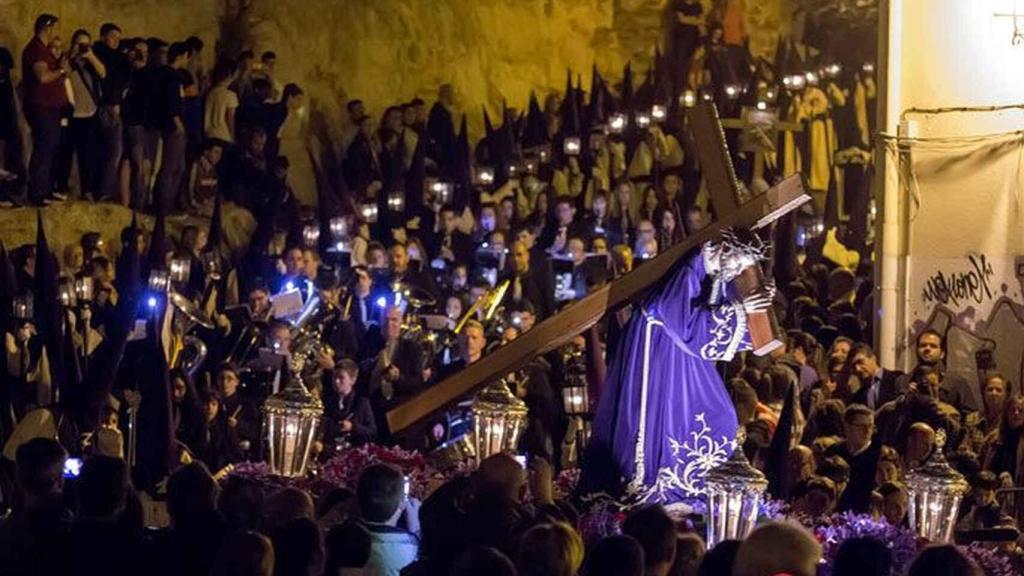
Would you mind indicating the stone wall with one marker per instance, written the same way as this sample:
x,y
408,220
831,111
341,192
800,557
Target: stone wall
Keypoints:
x,y
388,51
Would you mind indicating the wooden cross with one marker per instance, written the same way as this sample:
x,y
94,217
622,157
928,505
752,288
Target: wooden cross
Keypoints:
x,y
760,131
731,211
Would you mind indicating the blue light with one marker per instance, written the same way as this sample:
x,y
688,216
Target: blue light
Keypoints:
x,y
151,302
382,302
289,286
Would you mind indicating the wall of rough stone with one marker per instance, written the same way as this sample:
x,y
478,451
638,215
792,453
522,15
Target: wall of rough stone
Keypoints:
x,y
384,51
388,51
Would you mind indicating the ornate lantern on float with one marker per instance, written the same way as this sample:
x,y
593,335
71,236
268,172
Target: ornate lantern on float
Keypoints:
x,y
498,420
935,490
735,490
291,418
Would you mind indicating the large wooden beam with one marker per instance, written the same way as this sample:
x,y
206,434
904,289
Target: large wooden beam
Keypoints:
x,y
562,327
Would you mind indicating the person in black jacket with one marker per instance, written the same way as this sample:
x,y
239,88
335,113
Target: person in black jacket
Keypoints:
x,y
169,116
530,283
221,446
393,366
878,384
348,417
187,415
111,125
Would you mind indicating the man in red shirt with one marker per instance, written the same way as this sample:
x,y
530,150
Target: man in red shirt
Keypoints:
x,y
45,96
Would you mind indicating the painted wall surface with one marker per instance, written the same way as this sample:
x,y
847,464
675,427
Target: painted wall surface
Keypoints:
x,y
953,201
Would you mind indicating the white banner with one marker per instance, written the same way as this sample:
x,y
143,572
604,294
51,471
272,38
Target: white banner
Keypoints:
x,y
964,274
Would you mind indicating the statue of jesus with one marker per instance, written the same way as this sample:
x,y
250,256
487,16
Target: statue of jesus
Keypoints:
x,y
665,419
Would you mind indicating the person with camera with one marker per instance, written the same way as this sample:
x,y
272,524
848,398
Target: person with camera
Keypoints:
x,y
81,139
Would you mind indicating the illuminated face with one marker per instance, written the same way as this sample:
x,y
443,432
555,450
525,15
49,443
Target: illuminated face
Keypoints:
x,y
624,193
995,394
488,219
259,302
859,430
498,241
650,200
294,262
449,221
508,210
1015,413
363,283
509,334
281,340
840,352
672,185
393,324
668,221
178,390
343,382
453,308
565,213
310,264
112,39
212,407
527,320
526,237
521,256
577,251
227,381
894,508
475,341
399,258
694,220
865,366
929,349
600,206
645,231
600,246
460,276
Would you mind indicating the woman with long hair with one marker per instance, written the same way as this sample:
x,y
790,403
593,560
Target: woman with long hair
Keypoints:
x,y
187,412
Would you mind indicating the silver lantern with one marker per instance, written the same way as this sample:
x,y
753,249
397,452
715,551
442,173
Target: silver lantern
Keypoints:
x,y
290,419
935,490
498,420
735,490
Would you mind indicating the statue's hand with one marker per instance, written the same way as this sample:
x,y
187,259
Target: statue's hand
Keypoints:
x,y
758,302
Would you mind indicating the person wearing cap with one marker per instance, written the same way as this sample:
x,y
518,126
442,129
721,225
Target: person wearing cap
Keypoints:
x,y
44,99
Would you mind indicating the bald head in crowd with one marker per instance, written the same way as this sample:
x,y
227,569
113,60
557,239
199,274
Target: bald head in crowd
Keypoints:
x,y
778,548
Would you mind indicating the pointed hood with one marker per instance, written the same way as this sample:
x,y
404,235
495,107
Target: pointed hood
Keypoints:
x,y
8,286
47,310
626,94
488,127
535,133
595,108
463,169
158,244
776,468
215,237
415,177
570,112
154,447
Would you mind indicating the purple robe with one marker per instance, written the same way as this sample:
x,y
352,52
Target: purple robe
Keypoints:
x,y
665,419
